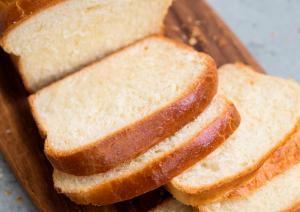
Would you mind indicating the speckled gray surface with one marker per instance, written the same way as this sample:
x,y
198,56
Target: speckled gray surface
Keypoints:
x,y
12,196
269,28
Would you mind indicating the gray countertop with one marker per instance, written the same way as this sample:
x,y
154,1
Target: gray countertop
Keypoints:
x,y
269,28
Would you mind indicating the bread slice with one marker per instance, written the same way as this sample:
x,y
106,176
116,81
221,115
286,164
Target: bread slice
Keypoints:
x,y
52,38
159,164
172,205
116,109
279,194
280,161
270,111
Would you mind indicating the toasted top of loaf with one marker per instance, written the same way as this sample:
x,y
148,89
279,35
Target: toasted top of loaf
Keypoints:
x,y
270,110
119,107
157,165
48,45
172,205
279,194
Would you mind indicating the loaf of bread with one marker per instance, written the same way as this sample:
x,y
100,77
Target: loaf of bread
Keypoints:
x,y
116,109
270,111
159,164
48,39
280,161
279,194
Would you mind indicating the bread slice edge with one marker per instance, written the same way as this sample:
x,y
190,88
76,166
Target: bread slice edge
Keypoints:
x,y
97,156
279,191
161,170
222,191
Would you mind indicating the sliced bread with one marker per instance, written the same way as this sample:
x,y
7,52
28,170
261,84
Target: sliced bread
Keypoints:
x,y
158,165
279,194
172,205
116,109
280,161
47,44
270,111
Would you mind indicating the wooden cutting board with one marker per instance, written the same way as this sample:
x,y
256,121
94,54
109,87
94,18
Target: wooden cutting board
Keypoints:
x,y
191,21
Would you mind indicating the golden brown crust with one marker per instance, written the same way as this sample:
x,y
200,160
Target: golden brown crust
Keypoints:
x,y
14,12
162,170
285,156
207,196
294,208
19,10
131,141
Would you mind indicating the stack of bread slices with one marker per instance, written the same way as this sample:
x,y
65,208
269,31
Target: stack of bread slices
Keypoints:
x,y
124,111
257,168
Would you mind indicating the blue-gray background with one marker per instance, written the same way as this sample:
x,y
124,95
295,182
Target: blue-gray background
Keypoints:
x,y
269,28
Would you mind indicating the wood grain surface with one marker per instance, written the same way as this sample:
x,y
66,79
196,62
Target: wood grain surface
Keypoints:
x,y
191,21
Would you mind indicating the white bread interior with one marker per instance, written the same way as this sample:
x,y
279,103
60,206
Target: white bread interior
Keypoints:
x,y
279,194
115,92
60,39
270,111
83,187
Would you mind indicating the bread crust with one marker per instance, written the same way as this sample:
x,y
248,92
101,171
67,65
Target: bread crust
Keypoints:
x,y
276,162
135,139
160,171
18,11
207,196
281,160
294,208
